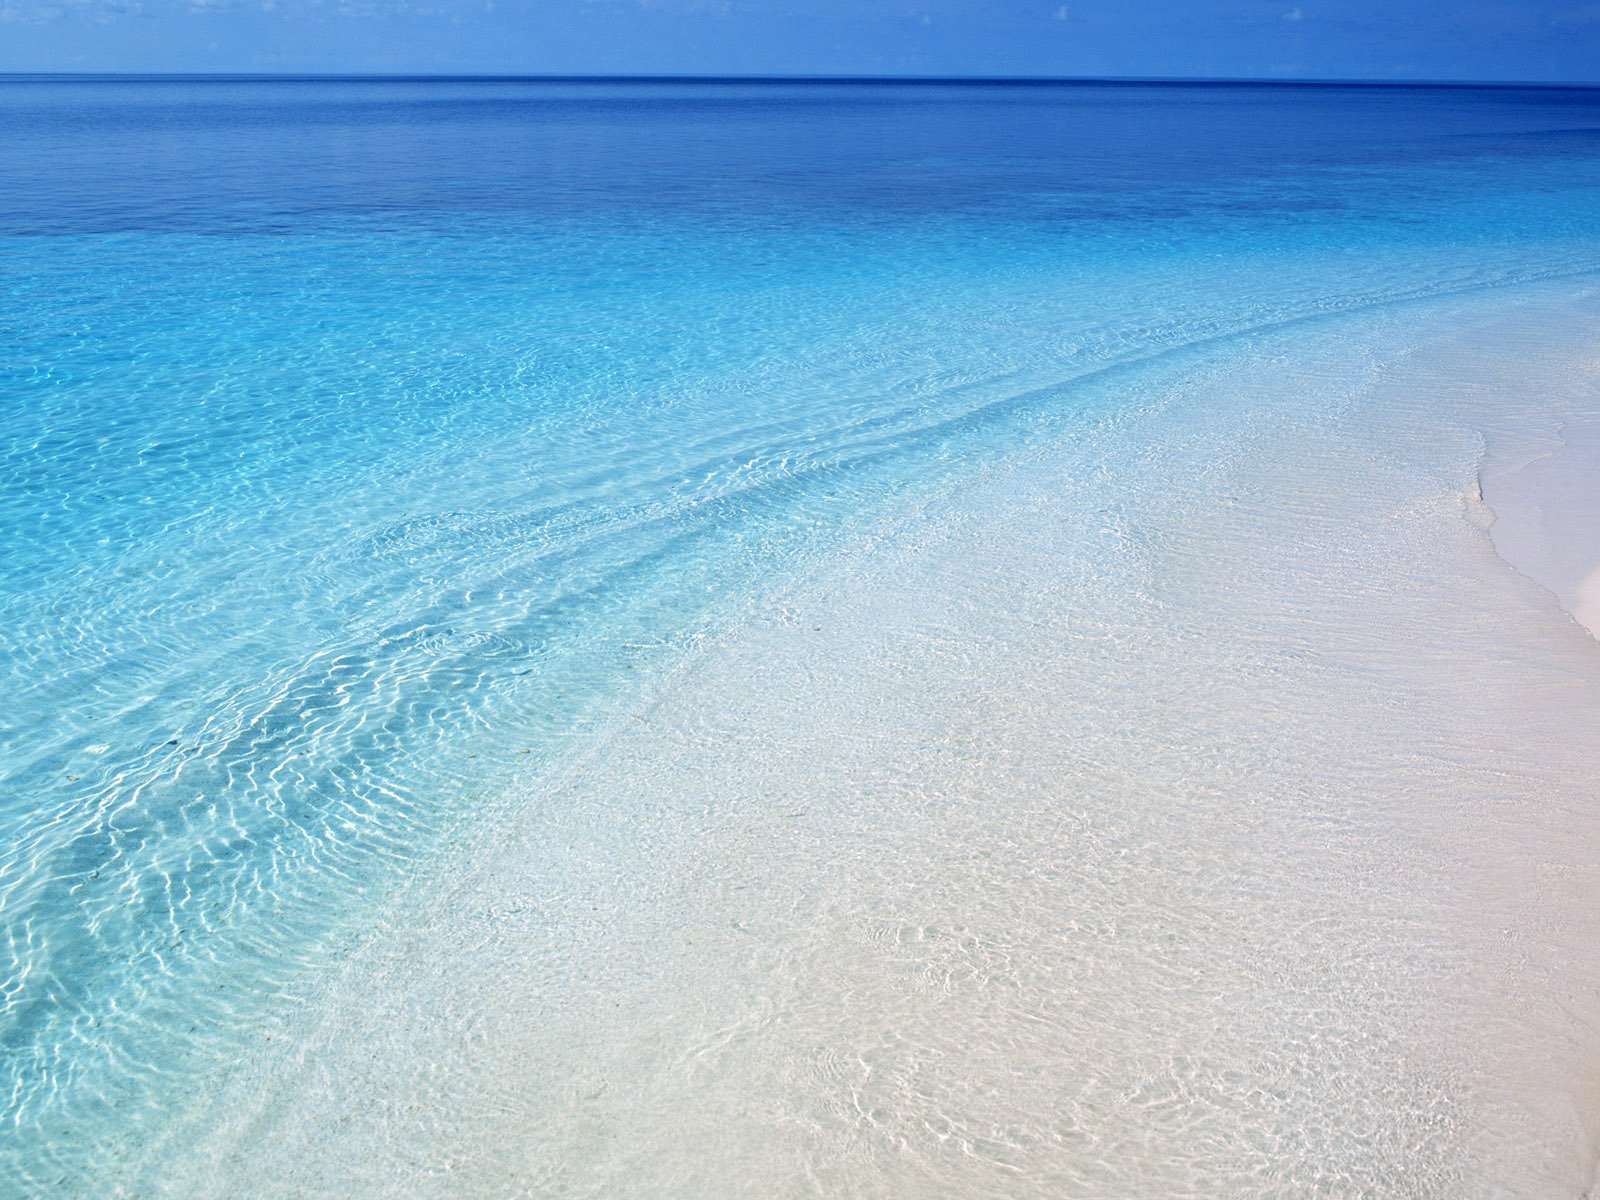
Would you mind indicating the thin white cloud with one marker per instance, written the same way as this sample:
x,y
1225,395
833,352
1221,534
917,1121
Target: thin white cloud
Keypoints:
x,y
40,12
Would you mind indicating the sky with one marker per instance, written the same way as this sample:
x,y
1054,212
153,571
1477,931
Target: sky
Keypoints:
x,y
1552,41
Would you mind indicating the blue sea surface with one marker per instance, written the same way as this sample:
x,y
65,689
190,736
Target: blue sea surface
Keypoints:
x,y
364,443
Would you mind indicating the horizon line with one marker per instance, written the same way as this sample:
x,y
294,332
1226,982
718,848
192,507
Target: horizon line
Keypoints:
x,y
725,78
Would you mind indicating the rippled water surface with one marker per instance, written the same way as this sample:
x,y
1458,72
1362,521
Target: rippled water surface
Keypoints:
x,y
365,447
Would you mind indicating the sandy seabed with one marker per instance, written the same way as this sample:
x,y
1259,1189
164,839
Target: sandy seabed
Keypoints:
x,y
1203,803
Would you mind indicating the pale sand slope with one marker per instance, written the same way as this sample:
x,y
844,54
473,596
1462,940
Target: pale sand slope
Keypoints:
x,y
1542,479
1195,806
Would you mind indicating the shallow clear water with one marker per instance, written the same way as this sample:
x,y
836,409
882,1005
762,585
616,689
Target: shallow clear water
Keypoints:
x,y
366,445
1063,836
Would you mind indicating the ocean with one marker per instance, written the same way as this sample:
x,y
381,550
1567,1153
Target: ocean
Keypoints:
x,y
373,453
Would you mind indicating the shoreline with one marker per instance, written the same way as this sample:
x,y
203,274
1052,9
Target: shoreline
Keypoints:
x,y
1542,484
1059,797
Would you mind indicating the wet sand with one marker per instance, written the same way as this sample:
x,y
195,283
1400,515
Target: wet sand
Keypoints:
x,y
1543,484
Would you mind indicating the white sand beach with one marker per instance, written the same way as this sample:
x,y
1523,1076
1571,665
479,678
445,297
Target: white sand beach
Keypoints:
x,y
1542,481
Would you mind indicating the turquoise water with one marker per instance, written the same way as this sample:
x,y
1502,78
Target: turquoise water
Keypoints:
x,y
366,443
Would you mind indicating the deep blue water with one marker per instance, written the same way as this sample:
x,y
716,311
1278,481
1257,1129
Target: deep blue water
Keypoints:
x,y
363,443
